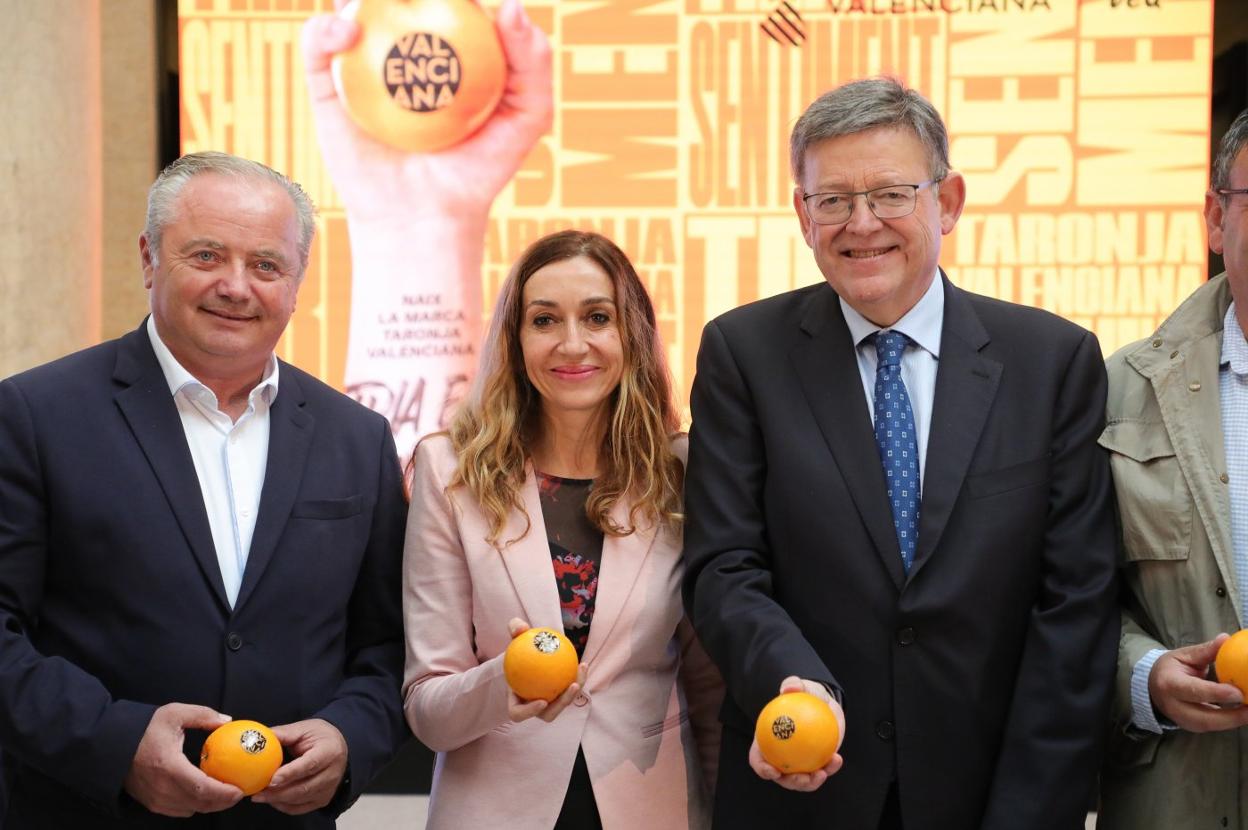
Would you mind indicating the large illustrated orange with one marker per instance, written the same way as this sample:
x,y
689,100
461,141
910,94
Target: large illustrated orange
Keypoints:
x,y
243,753
797,732
424,75
540,664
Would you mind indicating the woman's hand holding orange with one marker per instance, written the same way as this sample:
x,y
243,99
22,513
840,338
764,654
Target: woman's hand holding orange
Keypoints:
x,y
521,710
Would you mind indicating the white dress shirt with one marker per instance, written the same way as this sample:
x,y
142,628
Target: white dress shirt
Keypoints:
x,y
230,457
923,324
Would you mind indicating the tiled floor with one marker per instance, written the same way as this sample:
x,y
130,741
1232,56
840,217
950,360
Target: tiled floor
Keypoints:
x,y
383,812
407,812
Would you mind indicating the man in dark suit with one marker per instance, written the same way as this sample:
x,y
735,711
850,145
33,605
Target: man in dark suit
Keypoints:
x,y
896,502
192,530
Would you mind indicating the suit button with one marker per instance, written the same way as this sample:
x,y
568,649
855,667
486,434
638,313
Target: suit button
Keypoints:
x,y
581,699
884,730
234,641
1220,591
905,636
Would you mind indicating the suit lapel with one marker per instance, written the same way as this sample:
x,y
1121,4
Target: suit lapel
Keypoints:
x,y
528,561
622,561
153,417
291,428
827,366
966,384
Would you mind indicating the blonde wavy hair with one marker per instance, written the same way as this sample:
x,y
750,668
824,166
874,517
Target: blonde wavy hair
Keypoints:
x,y
500,416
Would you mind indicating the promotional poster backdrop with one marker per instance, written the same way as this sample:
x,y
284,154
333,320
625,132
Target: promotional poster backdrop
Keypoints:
x,y
1081,127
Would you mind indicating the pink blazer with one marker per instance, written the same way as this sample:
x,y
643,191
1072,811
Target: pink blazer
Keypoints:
x,y
647,717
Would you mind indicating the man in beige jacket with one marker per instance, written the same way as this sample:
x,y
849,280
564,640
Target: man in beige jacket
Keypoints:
x,y
1177,428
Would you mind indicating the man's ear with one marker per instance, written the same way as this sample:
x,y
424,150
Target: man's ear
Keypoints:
x,y
147,258
951,196
799,207
1215,213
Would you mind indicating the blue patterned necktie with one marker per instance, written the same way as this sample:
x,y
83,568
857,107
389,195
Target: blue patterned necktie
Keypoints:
x,y
897,440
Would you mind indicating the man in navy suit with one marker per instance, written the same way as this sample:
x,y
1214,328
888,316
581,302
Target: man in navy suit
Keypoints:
x,y
896,502
192,530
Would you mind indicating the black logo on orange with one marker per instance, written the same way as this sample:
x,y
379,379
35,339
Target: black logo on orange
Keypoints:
x,y
783,727
545,642
252,742
422,72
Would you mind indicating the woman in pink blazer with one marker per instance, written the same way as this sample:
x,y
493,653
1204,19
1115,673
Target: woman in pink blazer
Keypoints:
x,y
554,500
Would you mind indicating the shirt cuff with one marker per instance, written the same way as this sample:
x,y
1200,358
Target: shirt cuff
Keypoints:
x,y
834,692
1143,715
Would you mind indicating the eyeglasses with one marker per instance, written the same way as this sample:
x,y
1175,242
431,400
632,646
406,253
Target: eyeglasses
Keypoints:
x,y
1227,191
889,202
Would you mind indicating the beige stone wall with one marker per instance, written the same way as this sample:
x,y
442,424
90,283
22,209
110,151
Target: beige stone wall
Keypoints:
x,y
78,147
130,147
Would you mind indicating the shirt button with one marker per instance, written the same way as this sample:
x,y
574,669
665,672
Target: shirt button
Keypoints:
x,y
234,641
905,636
884,730
581,699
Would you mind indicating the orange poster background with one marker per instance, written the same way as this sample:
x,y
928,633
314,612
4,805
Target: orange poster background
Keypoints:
x,y
1082,129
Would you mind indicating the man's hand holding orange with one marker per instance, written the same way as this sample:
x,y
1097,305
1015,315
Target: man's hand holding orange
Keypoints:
x,y
802,781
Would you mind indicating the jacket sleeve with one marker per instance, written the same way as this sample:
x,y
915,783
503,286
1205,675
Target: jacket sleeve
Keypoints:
x,y
1134,643
728,578
699,678
1139,635
450,697
704,694
54,716
1057,722
367,709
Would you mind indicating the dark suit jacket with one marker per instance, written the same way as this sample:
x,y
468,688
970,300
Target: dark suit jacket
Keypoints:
x,y
980,681
112,603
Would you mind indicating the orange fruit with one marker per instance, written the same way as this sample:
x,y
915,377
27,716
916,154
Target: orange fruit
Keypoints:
x,y
540,664
797,732
1231,664
424,75
243,753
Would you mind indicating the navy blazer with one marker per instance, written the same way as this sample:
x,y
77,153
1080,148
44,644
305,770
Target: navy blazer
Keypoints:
x,y
980,680
112,603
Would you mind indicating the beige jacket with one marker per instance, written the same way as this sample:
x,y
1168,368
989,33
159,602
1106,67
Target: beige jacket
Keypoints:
x,y
1164,432
647,718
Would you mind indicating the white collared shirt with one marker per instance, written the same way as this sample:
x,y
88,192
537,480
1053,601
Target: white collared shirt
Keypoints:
x,y
1233,394
230,457
923,324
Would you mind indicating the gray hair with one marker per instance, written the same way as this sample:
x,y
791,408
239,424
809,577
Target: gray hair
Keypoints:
x,y
867,105
162,197
1233,141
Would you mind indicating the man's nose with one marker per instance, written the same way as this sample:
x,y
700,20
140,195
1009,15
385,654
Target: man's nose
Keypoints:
x,y
861,218
233,281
